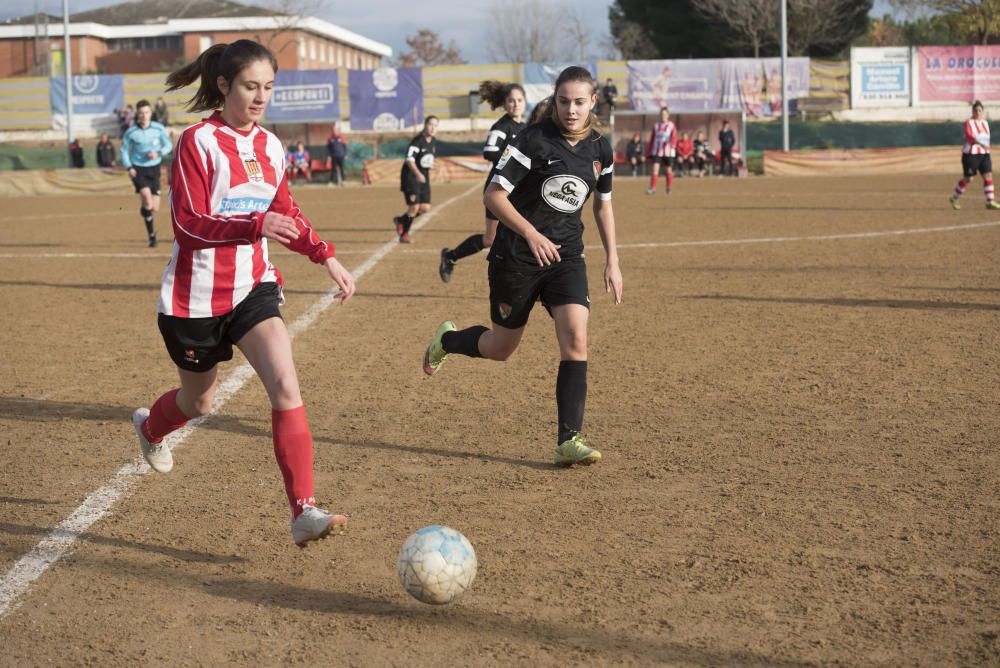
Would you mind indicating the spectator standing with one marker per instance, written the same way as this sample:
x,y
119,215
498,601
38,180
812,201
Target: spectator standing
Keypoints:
x,y
105,152
610,95
160,113
634,153
76,154
727,140
336,146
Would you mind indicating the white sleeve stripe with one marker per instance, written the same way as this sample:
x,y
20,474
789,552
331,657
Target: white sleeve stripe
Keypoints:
x,y
604,196
498,133
520,157
608,170
502,182
490,149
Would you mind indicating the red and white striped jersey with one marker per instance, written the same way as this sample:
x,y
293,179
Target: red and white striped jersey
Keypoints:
x,y
223,182
977,137
663,140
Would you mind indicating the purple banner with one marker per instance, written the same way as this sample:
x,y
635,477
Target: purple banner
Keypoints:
x,y
303,96
751,84
386,99
682,85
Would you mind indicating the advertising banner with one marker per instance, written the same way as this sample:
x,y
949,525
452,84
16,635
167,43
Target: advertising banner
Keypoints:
x,y
880,77
95,98
387,99
958,73
755,84
304,96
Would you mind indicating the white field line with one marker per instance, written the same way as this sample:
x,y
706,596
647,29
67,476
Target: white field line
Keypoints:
x,y
60,540
659,244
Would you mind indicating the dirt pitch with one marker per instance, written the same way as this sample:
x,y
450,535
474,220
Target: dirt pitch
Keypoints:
x,y
800,432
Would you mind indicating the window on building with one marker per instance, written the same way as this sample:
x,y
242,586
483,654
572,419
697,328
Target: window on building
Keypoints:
x,y
149,43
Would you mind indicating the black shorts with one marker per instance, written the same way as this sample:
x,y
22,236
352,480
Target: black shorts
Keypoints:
x,y
664,160
147,177
973,164
514,293
415,192
198,344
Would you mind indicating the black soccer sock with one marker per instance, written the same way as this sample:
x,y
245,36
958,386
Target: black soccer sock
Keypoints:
x,y
464,341
470,246
571,397
147,217
406,220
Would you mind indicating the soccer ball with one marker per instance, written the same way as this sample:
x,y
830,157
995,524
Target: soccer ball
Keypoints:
x,y
436,565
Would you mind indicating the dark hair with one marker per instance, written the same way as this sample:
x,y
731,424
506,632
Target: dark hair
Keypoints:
x,y
541,110
665,108
430,118
497,92
977,103
142,103
218,60
571,75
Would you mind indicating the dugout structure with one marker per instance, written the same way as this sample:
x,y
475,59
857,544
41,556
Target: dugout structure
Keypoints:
x,y
624,124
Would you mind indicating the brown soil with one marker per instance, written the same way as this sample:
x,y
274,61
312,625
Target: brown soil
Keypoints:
x,y
800,445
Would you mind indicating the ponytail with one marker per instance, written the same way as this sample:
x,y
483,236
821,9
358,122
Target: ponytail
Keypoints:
x,y
218,60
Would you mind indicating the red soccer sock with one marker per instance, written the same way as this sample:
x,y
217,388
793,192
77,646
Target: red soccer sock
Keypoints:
x,y
988,190
164,417
670,180
959,189
652,181
293,450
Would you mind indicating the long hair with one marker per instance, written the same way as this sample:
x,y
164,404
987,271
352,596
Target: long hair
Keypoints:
x,y
572,75
497,92
541,110
218,60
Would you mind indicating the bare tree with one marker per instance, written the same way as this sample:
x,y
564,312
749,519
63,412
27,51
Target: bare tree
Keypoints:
x,y
824,24
426,49
287,15
538,31
753,22
630,40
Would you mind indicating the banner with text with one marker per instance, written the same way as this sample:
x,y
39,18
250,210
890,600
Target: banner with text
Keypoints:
x,y
880,77
95,99
755,85
958,73
387,99
304,96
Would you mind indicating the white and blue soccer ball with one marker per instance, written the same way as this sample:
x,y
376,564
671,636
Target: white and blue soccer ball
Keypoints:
x,y
436,565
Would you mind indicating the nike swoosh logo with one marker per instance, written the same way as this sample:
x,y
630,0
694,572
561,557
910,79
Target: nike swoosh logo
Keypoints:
x,y
556,160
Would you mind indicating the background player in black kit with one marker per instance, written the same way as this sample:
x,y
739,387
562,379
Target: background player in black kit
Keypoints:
x,y
415,178
511,97
539,187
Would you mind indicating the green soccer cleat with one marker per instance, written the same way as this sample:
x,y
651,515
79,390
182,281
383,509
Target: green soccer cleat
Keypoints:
x,y
575,451
435,355
992,205
954,203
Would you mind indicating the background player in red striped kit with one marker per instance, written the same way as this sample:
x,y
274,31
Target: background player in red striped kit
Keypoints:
x,y
976,157
662,150
228,196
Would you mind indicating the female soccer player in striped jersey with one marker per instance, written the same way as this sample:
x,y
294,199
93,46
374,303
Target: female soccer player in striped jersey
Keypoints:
x,y
539,187
662,150
976,157
228,196
511,97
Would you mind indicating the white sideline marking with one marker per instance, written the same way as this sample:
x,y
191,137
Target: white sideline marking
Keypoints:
x,y
60,540
658,244
153,255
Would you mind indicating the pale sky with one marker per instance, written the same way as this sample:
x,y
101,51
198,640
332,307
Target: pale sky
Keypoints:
x,y
466,22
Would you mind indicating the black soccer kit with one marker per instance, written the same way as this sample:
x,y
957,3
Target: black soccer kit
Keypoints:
x,y
501,133
421,151
549,181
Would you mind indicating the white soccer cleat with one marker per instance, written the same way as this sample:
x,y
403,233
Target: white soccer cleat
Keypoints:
x,y
316,524
157,455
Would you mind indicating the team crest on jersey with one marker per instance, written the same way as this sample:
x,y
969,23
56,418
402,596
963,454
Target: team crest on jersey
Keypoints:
x,y
597,169
505,310
252,167
504,157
